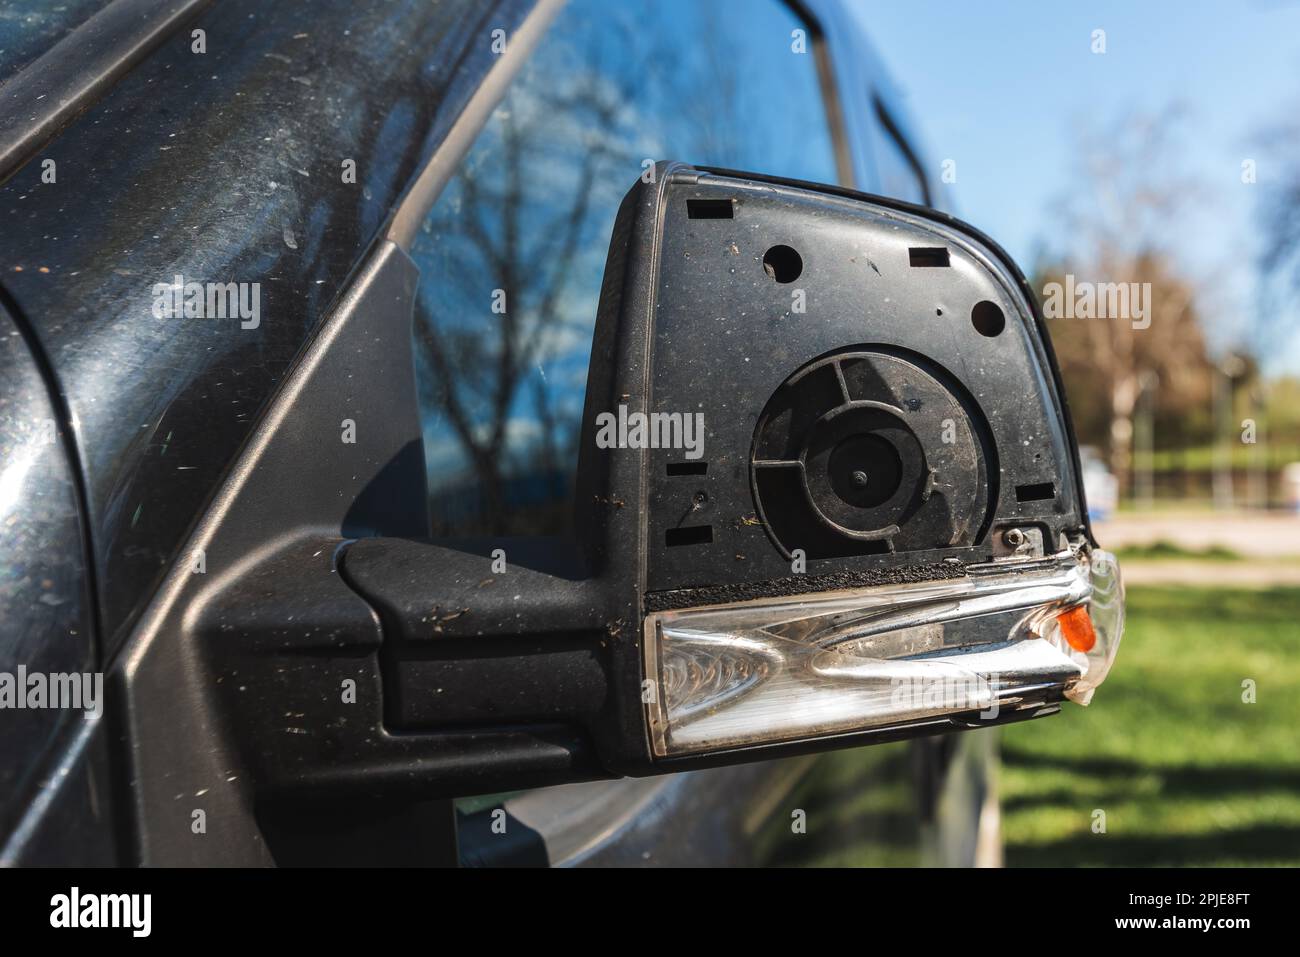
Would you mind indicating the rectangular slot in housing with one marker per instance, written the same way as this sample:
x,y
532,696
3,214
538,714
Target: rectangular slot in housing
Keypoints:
x,y
1038,492
928,255
688,468
689,535
709,209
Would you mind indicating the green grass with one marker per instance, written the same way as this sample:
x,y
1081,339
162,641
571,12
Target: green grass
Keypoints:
x,y
1186,773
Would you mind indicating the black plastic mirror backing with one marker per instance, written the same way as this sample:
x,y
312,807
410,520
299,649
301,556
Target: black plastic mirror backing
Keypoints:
x,y
832,420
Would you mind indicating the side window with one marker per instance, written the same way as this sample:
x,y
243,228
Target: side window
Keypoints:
x,y
901,175
511,256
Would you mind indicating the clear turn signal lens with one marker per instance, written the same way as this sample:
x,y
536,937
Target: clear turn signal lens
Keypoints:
x,y
1104,614
1000,638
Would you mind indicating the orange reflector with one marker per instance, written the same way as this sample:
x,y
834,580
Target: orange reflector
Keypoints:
x,y
1076,626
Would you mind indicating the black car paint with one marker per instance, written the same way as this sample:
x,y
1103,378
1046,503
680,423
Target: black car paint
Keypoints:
x,y
79,68
46,607
32,27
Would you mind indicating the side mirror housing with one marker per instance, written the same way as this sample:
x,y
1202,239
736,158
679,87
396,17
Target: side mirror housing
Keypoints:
x,y
828,494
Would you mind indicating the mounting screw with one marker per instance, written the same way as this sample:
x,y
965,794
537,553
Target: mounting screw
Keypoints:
x,y
1014,537
859,479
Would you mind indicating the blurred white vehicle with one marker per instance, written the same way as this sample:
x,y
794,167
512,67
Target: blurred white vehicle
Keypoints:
x,y
1291,485
1100,486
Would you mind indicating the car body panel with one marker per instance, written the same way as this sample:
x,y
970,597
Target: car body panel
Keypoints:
x,y
46,606
29,28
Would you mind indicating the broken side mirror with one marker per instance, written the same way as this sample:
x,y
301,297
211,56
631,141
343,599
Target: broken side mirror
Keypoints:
x,y
828,494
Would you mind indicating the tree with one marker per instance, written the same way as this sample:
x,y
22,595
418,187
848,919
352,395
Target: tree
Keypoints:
x,y
1119,216
1107,363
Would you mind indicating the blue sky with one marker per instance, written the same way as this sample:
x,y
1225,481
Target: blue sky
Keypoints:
x,y
1004,87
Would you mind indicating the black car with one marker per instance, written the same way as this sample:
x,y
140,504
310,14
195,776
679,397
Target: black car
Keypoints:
x,y
422,444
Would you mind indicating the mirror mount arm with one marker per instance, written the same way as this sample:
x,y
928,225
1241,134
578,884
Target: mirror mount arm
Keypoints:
x,y
335,707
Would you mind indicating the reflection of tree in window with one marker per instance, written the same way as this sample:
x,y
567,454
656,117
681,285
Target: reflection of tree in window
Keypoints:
x,y
528,218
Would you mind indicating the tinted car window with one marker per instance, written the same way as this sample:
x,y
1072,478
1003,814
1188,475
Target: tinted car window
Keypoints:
x,y
511,257
900,171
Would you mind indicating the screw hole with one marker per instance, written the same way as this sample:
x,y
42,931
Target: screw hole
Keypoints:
x,y
987,318
782,263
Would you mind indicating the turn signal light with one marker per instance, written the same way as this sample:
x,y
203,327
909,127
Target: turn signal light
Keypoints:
x,y
1001,638
1076,627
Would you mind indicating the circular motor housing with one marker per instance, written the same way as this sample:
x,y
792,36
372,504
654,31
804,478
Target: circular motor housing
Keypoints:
x,y
866,451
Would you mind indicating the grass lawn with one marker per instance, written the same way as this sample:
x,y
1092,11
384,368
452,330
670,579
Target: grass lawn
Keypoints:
x,y
1162,550
1186,773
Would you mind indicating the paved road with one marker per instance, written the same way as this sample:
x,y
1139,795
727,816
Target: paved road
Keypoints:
x,y
1205,574
1253,534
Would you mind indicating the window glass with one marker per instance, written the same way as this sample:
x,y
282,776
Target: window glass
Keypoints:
x,y
511,257
901,176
